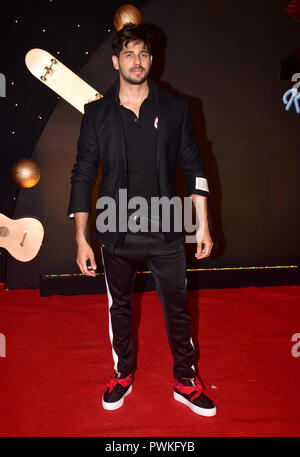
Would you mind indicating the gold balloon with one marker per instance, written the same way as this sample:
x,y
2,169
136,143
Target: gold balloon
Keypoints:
x,y
25,173
126,13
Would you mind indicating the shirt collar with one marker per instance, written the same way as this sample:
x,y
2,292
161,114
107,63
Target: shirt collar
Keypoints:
x,y
150,96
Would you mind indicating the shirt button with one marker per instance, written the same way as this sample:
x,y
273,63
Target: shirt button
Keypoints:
x,y
135,119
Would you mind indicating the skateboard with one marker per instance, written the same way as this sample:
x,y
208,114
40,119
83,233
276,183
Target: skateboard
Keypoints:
x,y
22,238
60,78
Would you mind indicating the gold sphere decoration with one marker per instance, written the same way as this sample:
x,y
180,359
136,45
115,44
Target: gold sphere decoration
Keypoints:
x,y
25,173
126,13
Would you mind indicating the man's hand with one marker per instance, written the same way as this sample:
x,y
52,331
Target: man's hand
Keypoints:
x,y
84,253
84,250
204,244
204,241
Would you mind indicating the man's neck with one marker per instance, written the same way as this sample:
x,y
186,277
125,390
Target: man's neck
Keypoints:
x,y
133,93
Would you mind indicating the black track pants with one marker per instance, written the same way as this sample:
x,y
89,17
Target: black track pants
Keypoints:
x,y
168,266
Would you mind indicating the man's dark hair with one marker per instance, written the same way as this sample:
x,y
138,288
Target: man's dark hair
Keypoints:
x,y
132,32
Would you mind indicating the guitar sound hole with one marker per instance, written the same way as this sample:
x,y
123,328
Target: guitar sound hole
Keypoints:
x,y
4,231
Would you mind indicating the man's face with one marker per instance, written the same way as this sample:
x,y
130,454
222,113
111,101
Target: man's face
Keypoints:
x,y
134,63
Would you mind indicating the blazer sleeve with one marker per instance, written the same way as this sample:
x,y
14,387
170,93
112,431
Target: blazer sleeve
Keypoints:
x,y
85,169
189,157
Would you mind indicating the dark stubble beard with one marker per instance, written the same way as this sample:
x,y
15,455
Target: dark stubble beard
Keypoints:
x,y
135,81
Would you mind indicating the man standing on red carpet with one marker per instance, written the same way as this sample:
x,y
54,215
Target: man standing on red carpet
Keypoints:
x,y
138,132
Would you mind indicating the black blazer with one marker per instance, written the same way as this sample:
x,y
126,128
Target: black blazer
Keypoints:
x,y
102,141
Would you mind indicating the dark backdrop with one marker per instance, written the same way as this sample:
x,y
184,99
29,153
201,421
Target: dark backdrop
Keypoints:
x,y
226,57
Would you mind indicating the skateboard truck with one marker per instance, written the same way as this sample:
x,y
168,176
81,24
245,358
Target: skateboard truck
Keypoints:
x,y
48,70
97,96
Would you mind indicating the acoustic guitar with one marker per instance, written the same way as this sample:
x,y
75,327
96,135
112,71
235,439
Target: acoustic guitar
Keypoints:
x,y
22,238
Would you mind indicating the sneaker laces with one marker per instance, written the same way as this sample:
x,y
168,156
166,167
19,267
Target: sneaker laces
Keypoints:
x,y
195,389
123,381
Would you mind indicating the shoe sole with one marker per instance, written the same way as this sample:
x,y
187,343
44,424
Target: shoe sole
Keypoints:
x,y
116,404
208,412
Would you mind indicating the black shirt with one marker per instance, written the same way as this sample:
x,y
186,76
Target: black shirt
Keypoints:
x,y
141,136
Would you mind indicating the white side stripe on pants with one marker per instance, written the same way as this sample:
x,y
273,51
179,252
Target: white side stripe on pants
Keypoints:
x,y
110,301
191,341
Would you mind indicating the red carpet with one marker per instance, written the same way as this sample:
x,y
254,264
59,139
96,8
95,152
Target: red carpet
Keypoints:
x,y
58,359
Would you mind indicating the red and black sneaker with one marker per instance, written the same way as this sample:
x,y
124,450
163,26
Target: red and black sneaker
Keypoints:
x,y
116,391
189,391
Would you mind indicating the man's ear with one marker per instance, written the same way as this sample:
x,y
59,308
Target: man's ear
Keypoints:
x,y
115,62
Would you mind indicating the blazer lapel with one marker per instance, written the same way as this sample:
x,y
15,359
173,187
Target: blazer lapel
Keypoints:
x,y
161,113
117,127
118,133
